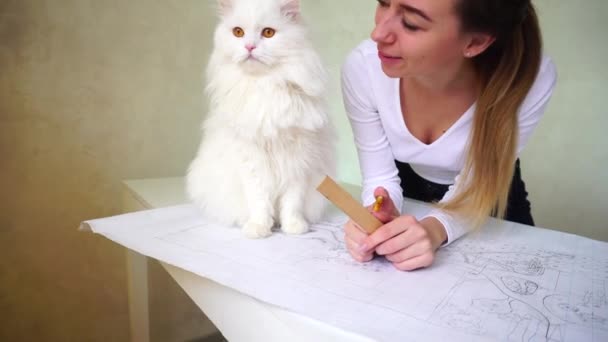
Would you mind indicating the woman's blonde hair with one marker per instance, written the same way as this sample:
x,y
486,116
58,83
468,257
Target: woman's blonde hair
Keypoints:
x,y
507,70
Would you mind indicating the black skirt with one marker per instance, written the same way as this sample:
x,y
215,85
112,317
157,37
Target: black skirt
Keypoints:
x,y
416,187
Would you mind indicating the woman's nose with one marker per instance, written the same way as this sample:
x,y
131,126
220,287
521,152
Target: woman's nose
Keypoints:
x,y
383,32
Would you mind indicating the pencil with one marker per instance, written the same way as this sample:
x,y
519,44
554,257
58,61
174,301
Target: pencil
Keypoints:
x,y
378,203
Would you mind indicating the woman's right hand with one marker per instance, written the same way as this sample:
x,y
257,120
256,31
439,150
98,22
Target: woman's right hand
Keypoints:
x,y
354,236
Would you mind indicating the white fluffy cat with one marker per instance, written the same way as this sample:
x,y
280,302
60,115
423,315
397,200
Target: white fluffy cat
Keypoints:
x,y
267,140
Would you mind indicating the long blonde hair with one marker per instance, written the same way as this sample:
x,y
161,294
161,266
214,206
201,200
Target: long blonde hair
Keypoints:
x,y
507,70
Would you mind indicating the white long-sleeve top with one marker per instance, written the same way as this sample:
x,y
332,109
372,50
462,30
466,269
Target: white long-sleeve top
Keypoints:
x,y
372,102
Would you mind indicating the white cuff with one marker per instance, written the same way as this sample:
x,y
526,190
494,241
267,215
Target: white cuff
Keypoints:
x,y
454,228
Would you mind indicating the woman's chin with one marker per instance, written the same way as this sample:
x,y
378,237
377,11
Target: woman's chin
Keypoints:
x,y
391,71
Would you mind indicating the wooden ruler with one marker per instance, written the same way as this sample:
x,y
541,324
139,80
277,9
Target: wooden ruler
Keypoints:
x,y
343,200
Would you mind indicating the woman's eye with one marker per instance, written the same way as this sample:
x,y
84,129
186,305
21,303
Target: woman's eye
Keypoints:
x,y
383,3
268,32
409,26
238,32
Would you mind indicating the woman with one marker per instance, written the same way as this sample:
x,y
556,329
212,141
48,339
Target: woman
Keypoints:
x,y
441,103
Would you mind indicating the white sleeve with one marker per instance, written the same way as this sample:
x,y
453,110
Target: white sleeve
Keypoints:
x,y
531,111
376,158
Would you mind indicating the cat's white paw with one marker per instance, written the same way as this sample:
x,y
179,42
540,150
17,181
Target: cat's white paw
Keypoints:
x,y
255,230
294,226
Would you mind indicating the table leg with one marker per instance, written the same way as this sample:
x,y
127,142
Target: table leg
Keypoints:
x,y
137,277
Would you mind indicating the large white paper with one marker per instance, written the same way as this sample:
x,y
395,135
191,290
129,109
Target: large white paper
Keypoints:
x,y
509,282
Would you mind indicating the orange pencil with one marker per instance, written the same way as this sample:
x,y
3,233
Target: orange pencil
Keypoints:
x,y
378,203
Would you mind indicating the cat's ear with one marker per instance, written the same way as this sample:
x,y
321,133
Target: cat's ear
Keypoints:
x,y
291,9
224,6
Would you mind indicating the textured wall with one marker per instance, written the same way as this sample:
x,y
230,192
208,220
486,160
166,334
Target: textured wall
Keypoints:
x,y
566,160
93,92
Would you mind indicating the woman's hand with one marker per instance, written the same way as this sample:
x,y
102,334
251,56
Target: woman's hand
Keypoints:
x,y
355,236
407,243
403,240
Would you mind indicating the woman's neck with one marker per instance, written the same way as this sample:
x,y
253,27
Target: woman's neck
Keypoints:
x,y
450,81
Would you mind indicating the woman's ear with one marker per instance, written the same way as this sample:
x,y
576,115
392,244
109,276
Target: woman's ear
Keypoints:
x,y
477,44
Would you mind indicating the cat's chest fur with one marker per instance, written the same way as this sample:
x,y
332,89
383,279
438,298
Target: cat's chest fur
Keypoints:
x,y
267,110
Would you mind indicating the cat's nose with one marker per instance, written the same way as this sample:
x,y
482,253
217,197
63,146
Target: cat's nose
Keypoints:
x,y
250,47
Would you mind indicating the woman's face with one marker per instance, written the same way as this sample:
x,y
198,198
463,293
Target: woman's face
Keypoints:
x,y
419,38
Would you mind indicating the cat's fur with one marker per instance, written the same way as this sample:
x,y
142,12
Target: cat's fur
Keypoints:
x,y
267,140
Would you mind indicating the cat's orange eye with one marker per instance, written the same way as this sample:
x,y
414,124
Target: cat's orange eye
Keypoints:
x,y
238,32
268,32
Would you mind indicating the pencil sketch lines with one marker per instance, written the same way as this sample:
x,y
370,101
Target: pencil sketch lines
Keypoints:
x,y
477,305
580,311
522,293
524,264
491,289
330,235
519,285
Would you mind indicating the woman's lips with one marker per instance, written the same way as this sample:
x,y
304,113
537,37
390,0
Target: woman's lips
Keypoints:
x,y
388,58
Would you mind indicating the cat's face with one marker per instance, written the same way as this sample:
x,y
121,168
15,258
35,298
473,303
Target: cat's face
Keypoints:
x,y
257,35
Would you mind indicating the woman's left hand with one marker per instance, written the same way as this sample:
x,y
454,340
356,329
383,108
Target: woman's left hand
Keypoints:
x,y
406,242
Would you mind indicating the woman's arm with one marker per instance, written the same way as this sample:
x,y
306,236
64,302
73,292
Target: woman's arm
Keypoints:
x,y
376,159
405,242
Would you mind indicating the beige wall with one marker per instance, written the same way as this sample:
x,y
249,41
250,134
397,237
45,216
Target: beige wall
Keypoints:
x,y
92,92
566,160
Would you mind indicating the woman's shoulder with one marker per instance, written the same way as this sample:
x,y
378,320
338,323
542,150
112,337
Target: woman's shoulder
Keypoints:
x,y
547,73
542,88
363,57
362,76
366,48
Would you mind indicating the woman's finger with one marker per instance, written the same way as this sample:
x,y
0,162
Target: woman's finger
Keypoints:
x,y
386,211
417,262
419,248
354,232
353,249
382,234
411,235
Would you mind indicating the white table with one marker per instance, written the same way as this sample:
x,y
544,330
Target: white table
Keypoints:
x,y
238,316
508,280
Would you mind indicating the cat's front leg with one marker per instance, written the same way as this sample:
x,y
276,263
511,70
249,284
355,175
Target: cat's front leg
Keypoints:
x,y
257,191
292,210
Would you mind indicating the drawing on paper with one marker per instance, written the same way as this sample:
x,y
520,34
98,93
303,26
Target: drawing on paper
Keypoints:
x,y
331,236
526,295
501,290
